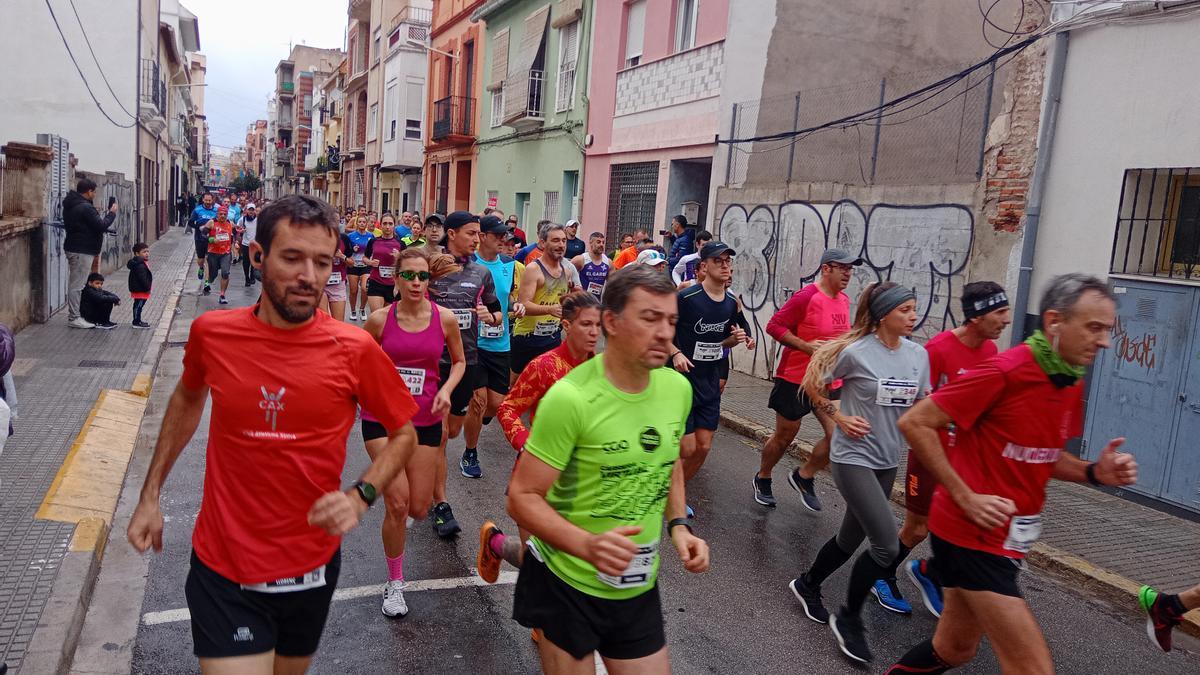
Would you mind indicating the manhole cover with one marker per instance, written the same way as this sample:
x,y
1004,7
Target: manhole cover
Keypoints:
x,y
91,363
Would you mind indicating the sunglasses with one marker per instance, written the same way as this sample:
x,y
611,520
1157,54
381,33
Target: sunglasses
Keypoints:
x,y
409,275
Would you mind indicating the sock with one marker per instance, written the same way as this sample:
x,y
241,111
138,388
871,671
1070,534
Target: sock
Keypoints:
x,y
396,568
1173,604
512,551
920,659
929,570
862,578
904,551
496,543
472,452
830,557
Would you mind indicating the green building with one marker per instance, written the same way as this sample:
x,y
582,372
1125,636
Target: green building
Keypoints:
x,y
533,113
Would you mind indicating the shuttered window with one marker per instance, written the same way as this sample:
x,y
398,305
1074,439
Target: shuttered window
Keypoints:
x,y
568,56
499,60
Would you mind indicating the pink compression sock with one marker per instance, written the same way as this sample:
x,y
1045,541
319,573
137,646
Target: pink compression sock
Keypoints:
x,y
496,543
396,568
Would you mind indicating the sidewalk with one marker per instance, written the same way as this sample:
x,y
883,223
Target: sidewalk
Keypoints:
x,y
1103,542
59,374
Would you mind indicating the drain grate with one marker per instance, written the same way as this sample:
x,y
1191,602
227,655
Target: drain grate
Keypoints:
x,y
92,363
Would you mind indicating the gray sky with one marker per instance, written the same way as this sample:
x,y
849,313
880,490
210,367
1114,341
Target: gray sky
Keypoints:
x,y
244,40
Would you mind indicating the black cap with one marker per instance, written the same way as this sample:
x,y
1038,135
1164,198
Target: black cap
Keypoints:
x,y
837,255
435,217
714,249
492,225
460,218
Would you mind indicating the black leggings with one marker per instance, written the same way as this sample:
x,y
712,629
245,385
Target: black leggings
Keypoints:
x,y
246,269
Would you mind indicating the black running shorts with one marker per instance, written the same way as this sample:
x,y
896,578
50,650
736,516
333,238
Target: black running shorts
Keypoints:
x,y
495,367
706,400
378,290
228,620
430,435
971,570
460,399
580,623
789,400
526,348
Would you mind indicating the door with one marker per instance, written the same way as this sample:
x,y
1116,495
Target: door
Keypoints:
x,y
1182,482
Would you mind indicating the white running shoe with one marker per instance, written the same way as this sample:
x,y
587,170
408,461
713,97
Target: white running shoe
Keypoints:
x,y
393,599
80,322
353,315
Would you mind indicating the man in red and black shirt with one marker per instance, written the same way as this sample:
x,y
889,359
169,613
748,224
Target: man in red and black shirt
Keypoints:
x,y
1012,415
266,548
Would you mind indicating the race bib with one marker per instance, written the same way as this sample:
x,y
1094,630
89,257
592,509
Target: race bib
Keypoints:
x,y
335,278
1023,531
222,236
465,317
595,288
414,378
492,332
304,582
896,392
707,351
358,258
547,329
387,271
638,571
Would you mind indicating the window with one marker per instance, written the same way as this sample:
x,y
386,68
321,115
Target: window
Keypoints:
x,y
550,206
412,130
390,103
635,25
568,55
394,38
372,121
377,50
442,187
415,109
307,102
632,193
685,24
468,67
497,108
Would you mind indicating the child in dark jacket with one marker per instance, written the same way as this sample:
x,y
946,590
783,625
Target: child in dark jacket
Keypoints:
x,y
140,280
96,304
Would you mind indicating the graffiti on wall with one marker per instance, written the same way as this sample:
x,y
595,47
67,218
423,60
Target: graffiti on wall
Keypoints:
x,y
924,247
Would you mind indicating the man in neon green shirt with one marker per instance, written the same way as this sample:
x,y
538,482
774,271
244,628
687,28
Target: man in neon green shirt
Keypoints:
x,y
600,469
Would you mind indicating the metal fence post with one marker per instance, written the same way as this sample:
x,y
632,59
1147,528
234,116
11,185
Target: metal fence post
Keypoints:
x,y
795,128
987,113
878,128
732,134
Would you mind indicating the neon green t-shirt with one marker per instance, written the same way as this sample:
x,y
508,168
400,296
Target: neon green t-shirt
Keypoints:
x,y
616,452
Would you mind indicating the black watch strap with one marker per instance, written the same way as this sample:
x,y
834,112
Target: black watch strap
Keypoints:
x,y
686,522
366,491
1091,474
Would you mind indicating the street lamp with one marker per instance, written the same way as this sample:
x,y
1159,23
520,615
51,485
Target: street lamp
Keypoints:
x,y
426,47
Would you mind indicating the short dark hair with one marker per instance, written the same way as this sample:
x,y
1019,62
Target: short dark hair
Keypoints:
x,y
85,185
299,210
704,235
1065,290
208,193
682,220
622,283
596,235
139,247
95,276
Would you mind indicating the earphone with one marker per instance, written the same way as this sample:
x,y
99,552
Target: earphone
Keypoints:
x,y
258,258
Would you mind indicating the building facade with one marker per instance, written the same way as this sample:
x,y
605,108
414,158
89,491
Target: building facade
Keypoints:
x,y
356,179
402,107
294,82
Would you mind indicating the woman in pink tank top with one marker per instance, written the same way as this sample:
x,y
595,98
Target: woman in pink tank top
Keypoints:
x,y
413,331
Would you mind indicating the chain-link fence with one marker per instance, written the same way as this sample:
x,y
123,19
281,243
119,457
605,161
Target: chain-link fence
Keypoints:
x,y
935,137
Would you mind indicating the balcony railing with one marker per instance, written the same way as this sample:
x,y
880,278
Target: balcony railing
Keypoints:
x,y
287,88
154,89
453,116
537,79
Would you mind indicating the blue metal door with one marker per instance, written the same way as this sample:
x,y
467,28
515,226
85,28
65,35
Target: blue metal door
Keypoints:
x,y
1182,484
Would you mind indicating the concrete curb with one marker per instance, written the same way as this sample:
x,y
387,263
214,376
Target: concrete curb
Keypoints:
x,y
1094,580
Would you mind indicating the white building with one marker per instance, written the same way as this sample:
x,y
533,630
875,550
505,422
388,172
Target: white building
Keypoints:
x,y
406,62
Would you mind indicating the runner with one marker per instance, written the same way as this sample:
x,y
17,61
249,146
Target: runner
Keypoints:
x,y
575,245
581,330
333,297
593,266
204,212
813,315
381,255
615,421
629,253
1012,414
358,272
685,269
533,251
545,282
626,242
414,237
220,243
266,546
1164,611
883,374
413,332
493,341
247,226
951,353
470,294
705,327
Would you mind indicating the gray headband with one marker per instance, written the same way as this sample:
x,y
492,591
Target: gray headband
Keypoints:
x,y
883,303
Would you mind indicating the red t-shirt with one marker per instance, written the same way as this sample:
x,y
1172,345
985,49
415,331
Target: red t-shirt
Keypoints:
x,y
810,315
223,233
949,360
1012,424
528,390
277,436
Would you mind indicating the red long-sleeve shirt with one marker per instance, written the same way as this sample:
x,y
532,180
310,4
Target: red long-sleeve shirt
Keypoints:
x,y
809,315
530,387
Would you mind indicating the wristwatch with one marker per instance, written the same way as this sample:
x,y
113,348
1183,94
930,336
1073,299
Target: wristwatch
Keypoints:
x,y
366,491
686,522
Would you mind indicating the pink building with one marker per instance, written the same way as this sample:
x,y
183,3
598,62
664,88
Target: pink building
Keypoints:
x,y
654,91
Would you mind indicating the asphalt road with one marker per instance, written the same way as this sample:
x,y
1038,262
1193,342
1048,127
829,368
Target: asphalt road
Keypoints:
x,y
738,618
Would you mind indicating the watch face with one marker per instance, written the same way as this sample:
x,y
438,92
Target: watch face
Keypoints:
x,y
368,491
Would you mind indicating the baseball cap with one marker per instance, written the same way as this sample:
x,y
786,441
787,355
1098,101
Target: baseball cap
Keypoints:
x,y
435,217
459,219
651,257
714,249
839,256
252,205
492,225
572,223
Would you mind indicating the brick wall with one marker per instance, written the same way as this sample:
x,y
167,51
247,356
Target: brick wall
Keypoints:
x,y
680,78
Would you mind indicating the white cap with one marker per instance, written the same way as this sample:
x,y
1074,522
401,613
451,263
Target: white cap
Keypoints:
x,y
571,223
251,205
651,257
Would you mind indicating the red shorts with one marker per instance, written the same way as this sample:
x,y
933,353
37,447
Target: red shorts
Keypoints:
x,y
919,485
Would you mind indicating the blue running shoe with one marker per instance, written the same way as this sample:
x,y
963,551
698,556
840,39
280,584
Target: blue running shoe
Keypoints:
x,y
931,592
691,513
888,595
807,488
469,464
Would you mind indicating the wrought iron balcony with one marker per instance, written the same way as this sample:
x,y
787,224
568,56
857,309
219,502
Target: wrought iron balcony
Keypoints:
x,y
453,116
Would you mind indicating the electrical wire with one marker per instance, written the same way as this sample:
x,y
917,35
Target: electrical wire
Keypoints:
x,y
81,76
97,61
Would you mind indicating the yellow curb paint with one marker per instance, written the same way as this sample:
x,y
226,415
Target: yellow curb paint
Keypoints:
x,y
90,534
142,384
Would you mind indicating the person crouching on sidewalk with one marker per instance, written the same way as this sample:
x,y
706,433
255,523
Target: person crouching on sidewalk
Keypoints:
x,y
96,304
140,280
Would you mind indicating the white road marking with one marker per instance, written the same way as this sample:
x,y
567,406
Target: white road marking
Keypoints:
x,y
507,577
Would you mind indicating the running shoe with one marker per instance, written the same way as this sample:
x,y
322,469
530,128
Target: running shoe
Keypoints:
x,y
1161,619
140,324
442,519
487,563
80,322
762,492
354,315
851,636
207,289
222,301
888,595
691,513
393,599
810,599
200,273
807,489
931,593
469,464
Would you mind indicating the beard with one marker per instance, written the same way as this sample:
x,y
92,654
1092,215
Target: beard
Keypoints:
x,y
276,294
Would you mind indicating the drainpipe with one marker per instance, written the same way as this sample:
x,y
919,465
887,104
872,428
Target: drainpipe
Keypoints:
x,y
1033,210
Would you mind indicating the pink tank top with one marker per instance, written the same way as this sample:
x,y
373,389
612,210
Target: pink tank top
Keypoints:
x,y
416,357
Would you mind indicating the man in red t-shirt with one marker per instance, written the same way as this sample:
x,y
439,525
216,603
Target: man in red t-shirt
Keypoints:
x,y
814,314
1012,415
220,245
266,547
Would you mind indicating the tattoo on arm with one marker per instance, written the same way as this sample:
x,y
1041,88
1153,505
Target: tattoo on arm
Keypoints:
x,y
828,408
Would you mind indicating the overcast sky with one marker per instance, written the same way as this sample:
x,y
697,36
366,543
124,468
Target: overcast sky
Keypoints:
x,y
244,40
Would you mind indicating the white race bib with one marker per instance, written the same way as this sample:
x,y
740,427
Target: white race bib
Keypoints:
x,y
414,378
222,236
491,332
304,582
1023,531
335,278
546,329
707,351
465,317
358,258
387,271
595,288
638,571
896,392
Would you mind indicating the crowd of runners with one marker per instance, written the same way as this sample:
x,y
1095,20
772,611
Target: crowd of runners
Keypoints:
x,y
605,373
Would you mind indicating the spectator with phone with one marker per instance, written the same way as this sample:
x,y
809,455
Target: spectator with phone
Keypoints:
x,y
85,237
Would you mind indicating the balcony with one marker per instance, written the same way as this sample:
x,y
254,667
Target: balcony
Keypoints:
x,y
152,104
454,119
286,89
523,100
680,78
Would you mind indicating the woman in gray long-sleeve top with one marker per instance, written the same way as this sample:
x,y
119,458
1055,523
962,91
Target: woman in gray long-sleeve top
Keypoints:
x,y
883,374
